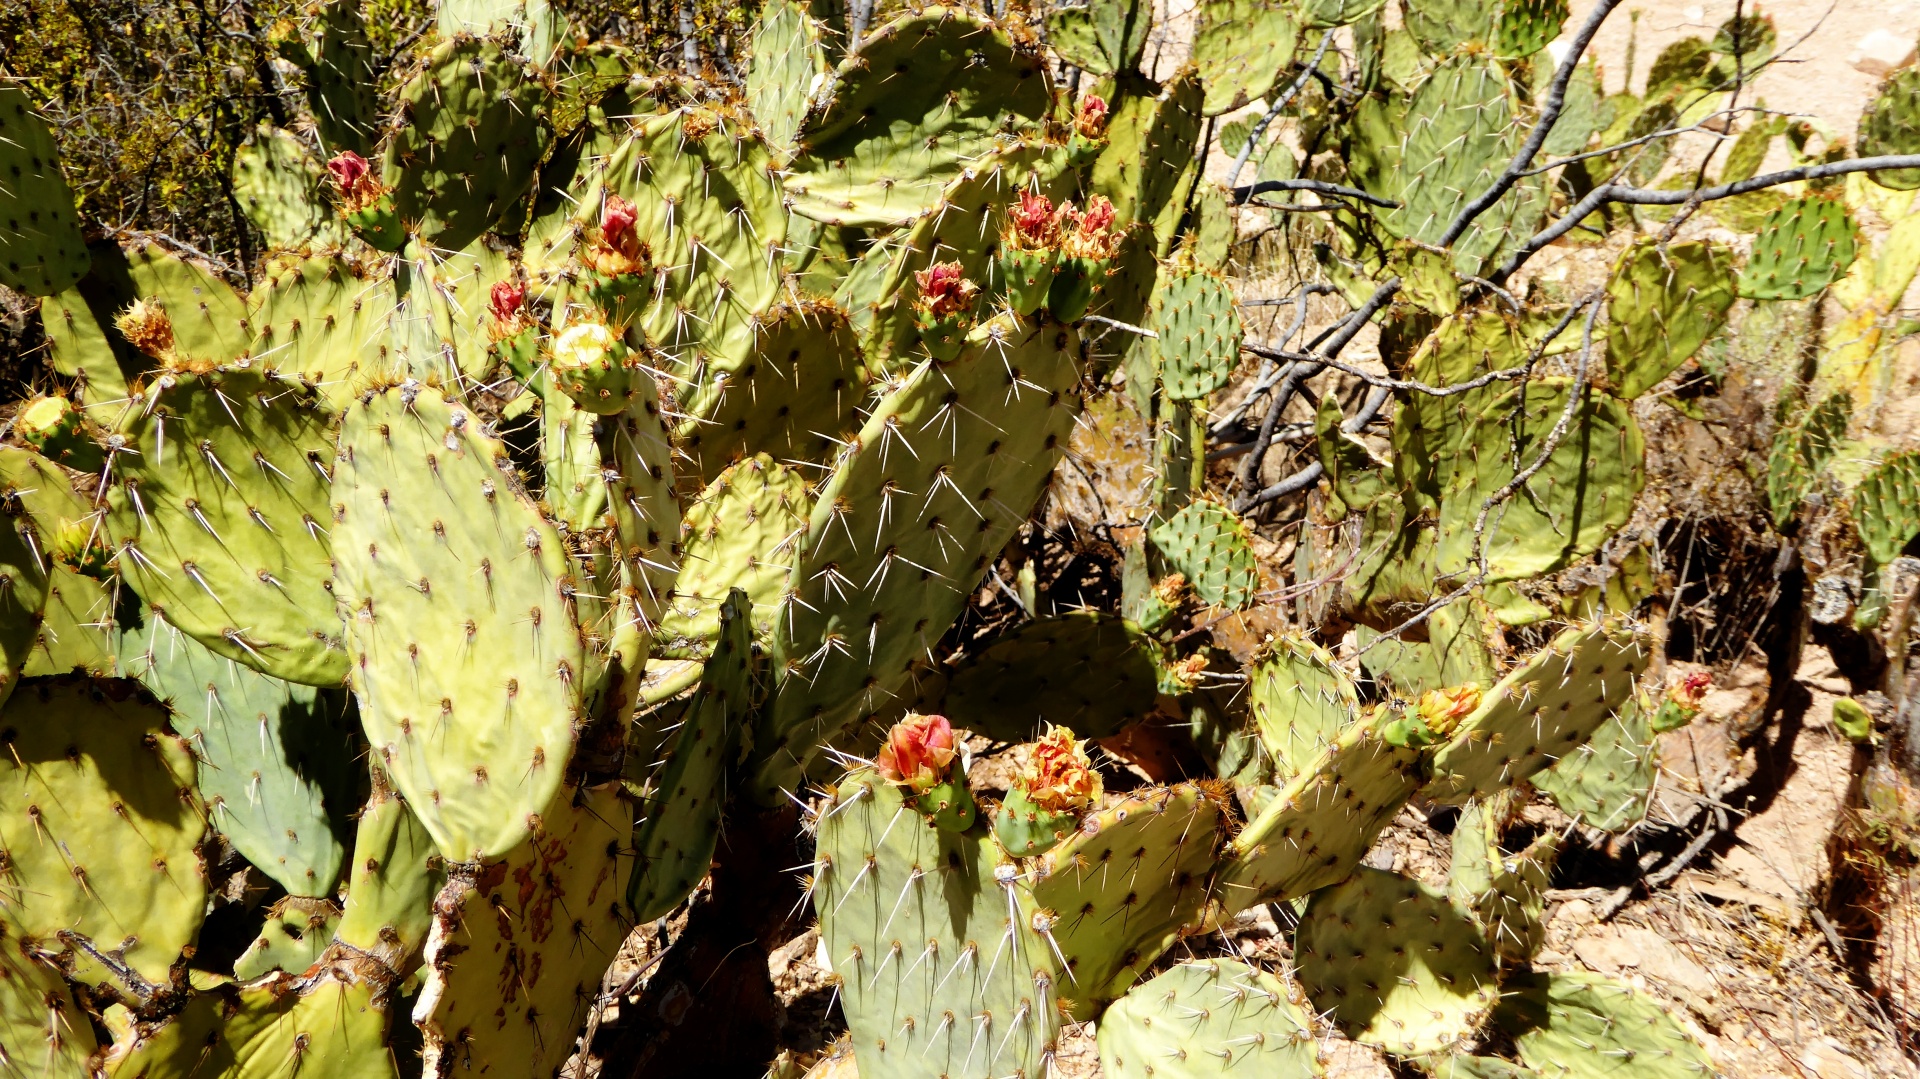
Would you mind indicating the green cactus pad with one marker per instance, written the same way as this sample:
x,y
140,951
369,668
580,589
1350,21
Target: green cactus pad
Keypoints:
x,y
921,99
41,1028
1151,138
395,875
1886,506
276,760
1085,670
678,777
464,151
745,531
940,969
1801,448
794,395
101,830
1581,496
1506,894
786,63
79,345
1240,48
1302,702
1105,37
946,467
462,569
1208,1019
23,567
1327,14
1890,126
1313,830
1198,321
219,519
1587,1026
540,29
1442,25
280,187
1398,964
75,634
317,318
337,60
209,318
41,249
1545,709
1126,887
645,510
552,905
1524,27
1662,305
1608,782
1427,429
1800,249
1213,549
297,933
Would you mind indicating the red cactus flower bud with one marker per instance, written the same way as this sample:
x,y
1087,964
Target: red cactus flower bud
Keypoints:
x,y
945,290
1033,226
507,301
616,225
1088,234
1091,122
918,751
1689,691
353,179
1098,216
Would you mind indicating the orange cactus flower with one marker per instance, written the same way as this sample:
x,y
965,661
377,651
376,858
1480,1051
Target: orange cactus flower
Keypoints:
x,y
1443,709
918,752
1058,777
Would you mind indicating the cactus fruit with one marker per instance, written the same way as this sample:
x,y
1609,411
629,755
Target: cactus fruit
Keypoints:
x,y
1240,48
57,429
591,366
1580,496
553,904
1129,882
1311,831
1087,670
102,832
679,781
498,703
1802,446
1054,785
1301,702
1800,249
40,1025
295,937
942,965
943,311
43,251
1396,962
1212,549
1544,710
1607,782
1088,244
1198,323
1208,1019
1889,126
1663,303
275,760
1583,1026
882,150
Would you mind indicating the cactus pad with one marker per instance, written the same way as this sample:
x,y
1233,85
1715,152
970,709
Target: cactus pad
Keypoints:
x,y
1545,709
1302,702
101,830
1208,1019
1587,1026
460,568
23,566
932,937
1239,48
1506,894
1313,830
1890,126
296,935
518,945
41,249
1608,782
1213,549
1125,887
922,97
1398,965
1662,305
786,65
1800,249
220,514
316,319
1802,446
679,781
208,318
1524,27
395,875
40,1025
1886,506
1198,321
278,185
470,134
1151,140
745,531
1089,671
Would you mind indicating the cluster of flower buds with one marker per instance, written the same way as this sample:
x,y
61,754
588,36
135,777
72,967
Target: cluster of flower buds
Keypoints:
x,y
507,304
1051,256
1682,701
615,248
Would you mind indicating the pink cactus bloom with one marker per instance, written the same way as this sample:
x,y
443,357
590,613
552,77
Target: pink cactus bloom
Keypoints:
x,y
945,290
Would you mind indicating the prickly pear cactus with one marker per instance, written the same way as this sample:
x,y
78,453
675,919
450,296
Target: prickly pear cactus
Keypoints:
x,y
395,874
1800,249
1198,323
1240,47
39,1021
1608,781
934,940
1545,709
101,831
1506,894
470,708
294,938
1802,446
1584,1026
787,64
1890,126
745,531
41,249
1886,506
1089,671
1205,1019
1211,547
1301,702
1663,303
1396,962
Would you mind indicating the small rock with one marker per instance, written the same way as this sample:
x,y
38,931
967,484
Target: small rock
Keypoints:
x,y
1881,51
